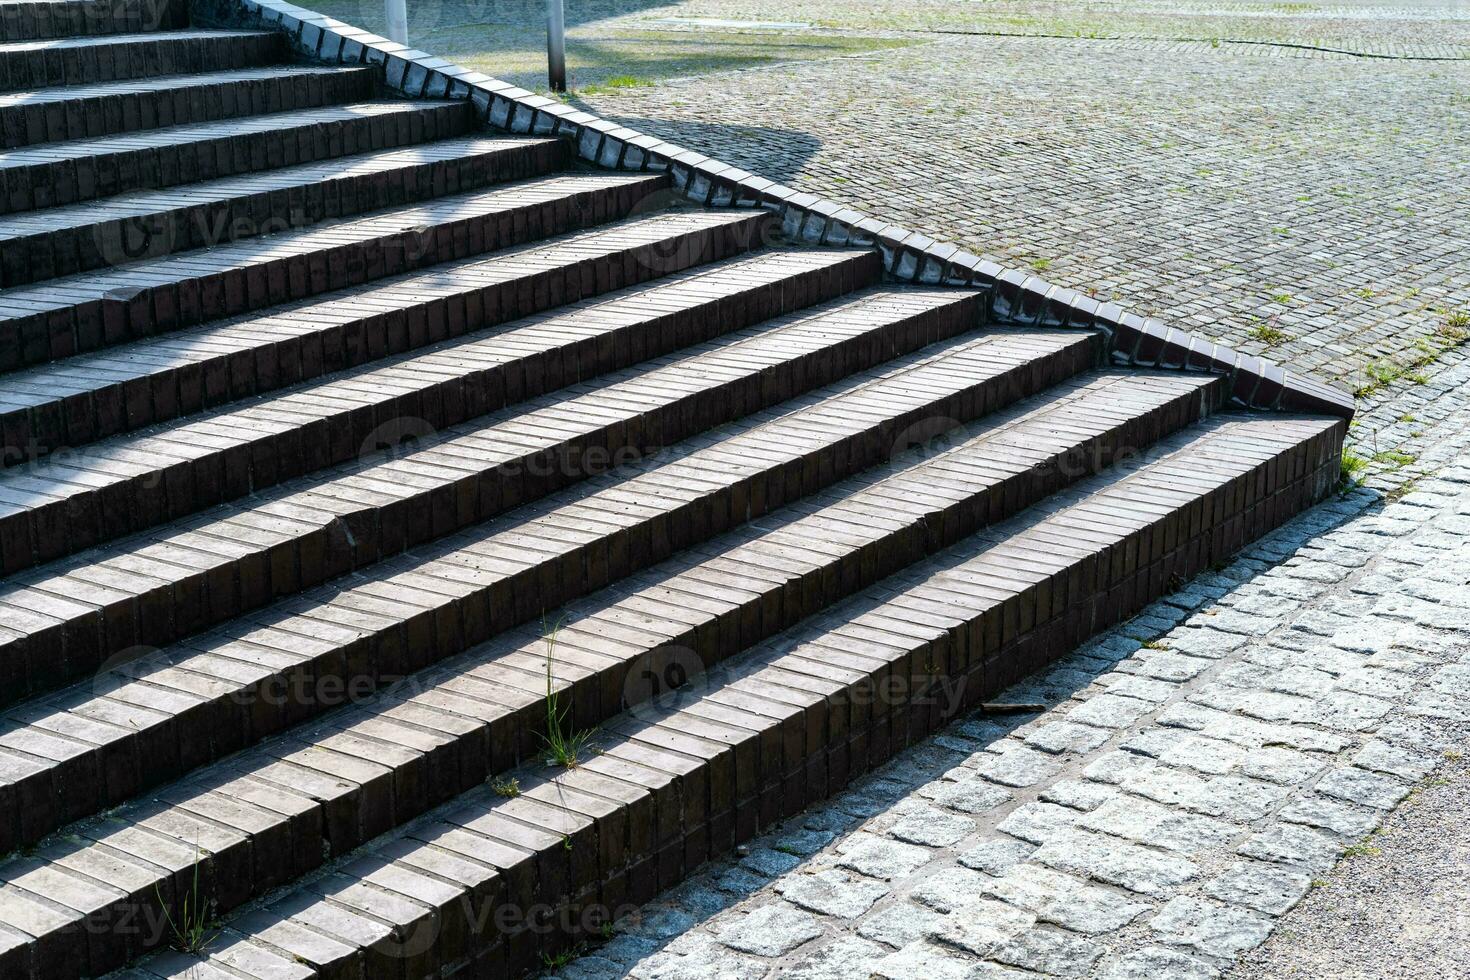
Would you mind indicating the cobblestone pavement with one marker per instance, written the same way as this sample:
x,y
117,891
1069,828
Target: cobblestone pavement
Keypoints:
x,y
1197,771
1288,200
1305,206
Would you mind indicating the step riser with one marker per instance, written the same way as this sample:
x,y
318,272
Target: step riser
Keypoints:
x,y
129,112
46,800
777,731
56,655
104,175
88,518
33,21
34,258
56,66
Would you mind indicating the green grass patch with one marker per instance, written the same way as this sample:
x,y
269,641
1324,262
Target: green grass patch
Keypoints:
x,y
1353,468
1268,334
617,83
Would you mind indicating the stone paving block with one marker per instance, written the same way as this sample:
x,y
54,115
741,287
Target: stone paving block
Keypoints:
x,y
1292,845
1212,928
771,931
835,893
982,928
1265,888
1050,952
838,960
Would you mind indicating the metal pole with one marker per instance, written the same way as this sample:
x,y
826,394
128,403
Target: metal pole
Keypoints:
x,y
397,11
556,46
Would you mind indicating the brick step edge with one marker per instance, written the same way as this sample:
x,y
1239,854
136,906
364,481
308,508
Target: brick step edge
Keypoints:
x,y
1016,296
497,882
109,409
39,20
182,100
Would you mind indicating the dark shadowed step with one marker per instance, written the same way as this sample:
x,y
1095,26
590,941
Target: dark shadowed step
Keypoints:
x,y
57,174
39,245
29,20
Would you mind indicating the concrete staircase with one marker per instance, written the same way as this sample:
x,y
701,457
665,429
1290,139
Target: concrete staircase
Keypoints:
x,y
339,436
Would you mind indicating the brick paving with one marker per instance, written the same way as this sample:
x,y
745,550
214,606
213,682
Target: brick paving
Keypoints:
x,y
1298,206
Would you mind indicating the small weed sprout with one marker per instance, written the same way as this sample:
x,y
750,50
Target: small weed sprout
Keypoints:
x,y
195,929
563,744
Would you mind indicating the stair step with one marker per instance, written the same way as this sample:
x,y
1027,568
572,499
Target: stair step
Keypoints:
x,y
96,309
248,448
28,20
57,174
76,401
90,748
62,622
772,731
777,730
494,731
39,245
52,115
81,60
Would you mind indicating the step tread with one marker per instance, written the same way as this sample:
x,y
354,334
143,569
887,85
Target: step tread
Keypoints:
x,y
244,816
999,449
347,516
29,156
169,83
